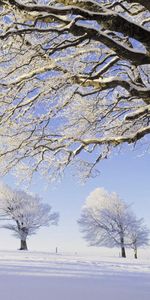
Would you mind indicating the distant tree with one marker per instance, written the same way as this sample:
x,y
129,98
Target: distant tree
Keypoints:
x,y
106,220
26,213
138,235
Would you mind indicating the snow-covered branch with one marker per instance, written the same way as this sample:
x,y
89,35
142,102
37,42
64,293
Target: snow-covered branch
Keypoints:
x,y
75,80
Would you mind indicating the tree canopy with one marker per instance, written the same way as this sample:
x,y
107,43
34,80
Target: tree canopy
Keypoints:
x,y
74,82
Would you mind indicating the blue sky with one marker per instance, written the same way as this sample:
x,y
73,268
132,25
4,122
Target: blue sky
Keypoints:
x,y
127,174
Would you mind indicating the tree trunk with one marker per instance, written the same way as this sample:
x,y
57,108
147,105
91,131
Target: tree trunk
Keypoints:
x,y
135,253
123,252
23,245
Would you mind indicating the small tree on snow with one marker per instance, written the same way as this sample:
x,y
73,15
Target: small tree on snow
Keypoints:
x,y
138,235
27,212
105,220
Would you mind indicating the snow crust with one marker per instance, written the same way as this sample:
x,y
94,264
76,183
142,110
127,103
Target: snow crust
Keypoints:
x,y
45,276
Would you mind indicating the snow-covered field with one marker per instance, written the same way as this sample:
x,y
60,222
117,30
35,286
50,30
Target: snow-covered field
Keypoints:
x,y
44,276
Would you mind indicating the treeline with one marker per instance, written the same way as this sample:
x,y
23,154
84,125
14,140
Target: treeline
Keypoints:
x,y
106,220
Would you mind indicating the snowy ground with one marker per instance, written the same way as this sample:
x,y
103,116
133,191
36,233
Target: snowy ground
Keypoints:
x,y
43,276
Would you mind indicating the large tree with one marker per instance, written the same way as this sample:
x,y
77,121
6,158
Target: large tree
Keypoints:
x,y
26,213
75,80
106,220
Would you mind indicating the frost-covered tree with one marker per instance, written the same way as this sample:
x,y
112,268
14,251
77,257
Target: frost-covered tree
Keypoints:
x,y
74,80
25,212
138,235
106,220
